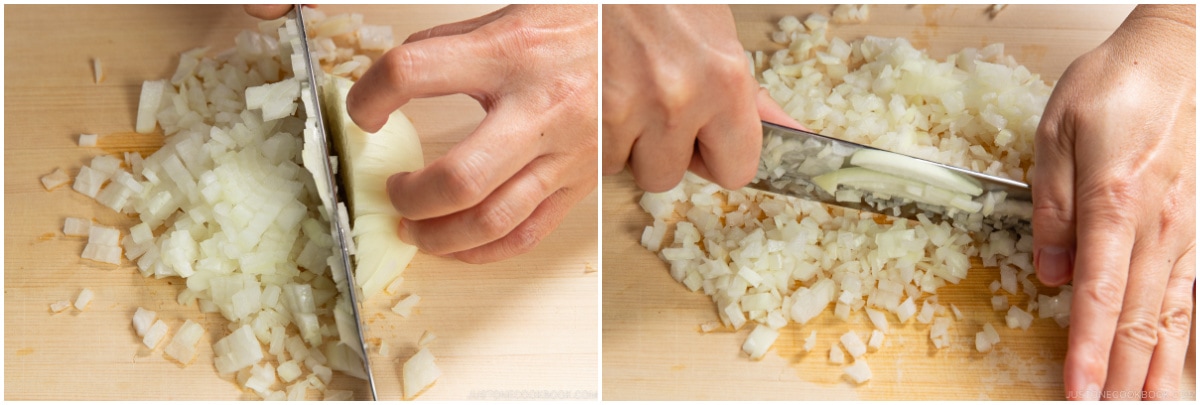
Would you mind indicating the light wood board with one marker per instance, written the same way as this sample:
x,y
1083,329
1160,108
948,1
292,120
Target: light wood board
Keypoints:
x,y
525,327
653,348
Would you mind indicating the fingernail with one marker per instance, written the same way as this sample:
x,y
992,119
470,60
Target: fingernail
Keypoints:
x,y
1053,265
404,233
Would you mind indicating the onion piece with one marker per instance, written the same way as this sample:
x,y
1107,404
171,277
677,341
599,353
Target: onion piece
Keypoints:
x,y
238,350
759,341
876,340
155,334
426,338
87,140
854,345
405,306
85,297
59,306
836,356
151,98
77,226
810,341
97,70
182,347
55,179
859,371
1016,318
420,372
915,169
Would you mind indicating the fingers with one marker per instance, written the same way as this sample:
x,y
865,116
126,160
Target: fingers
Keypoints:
x,y
729,147
658,162
530,233
1053,183
267,11
432,67
456,28
1137,328
498,148
494,217
1105,246
1174,330
770,111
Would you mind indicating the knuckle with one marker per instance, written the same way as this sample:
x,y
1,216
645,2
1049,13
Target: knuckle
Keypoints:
x,y
525,240
496,219
1138,332
1176,322
465,181
1105,293
401,64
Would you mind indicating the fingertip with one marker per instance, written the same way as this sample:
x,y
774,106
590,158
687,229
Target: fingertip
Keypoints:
x,y
1054,265
770,111
356,108
394,184
404,232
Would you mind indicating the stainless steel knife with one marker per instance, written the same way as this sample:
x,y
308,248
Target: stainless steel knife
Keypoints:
x,y
807,165
323,137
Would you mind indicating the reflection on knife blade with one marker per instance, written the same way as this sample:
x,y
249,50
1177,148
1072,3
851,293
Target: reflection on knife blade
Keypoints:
x,y
811,166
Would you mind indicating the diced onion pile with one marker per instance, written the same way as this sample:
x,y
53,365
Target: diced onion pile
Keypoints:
x,y
229,205
775,261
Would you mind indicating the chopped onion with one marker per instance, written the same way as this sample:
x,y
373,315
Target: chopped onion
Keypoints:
x,y
182,347
405,306
939,333
84,298
759,340
151,98
810,341
55,179
155,334
1000,302
420,373
77,226
878,319
59,306
854,345
1016,318
958,315
986,339
859,371
87,140
97,71
836,356
876,340
238,350
426,338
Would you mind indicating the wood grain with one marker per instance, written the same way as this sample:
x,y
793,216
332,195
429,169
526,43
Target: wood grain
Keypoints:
x,y
525,326
653,348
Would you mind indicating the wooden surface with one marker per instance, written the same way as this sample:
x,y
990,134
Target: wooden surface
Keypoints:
x,y
653,348
522,328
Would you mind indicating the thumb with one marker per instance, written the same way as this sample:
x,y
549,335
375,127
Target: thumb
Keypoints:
x,y
1053,183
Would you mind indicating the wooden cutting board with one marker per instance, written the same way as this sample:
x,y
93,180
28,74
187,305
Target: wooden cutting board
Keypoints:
x,y
521,328
653,347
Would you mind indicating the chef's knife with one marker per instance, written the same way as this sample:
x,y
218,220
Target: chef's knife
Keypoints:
x,y
340,233
807,165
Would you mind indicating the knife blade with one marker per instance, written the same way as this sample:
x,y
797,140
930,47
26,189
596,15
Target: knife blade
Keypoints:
x,y
336,210
808,165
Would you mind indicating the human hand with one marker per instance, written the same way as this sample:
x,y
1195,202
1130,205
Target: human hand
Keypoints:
x,y
511,181
1114,190
679,95
267,11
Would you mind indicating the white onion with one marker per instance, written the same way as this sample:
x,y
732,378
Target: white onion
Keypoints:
x,y
55,179
420,372
810,341
76,226
1016,318
405,306
426,338
876,340
238,350
859,371
155,334
151,98
87,140
85,296
182,347
1000,302
59,306
759,340
836,356
853,344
